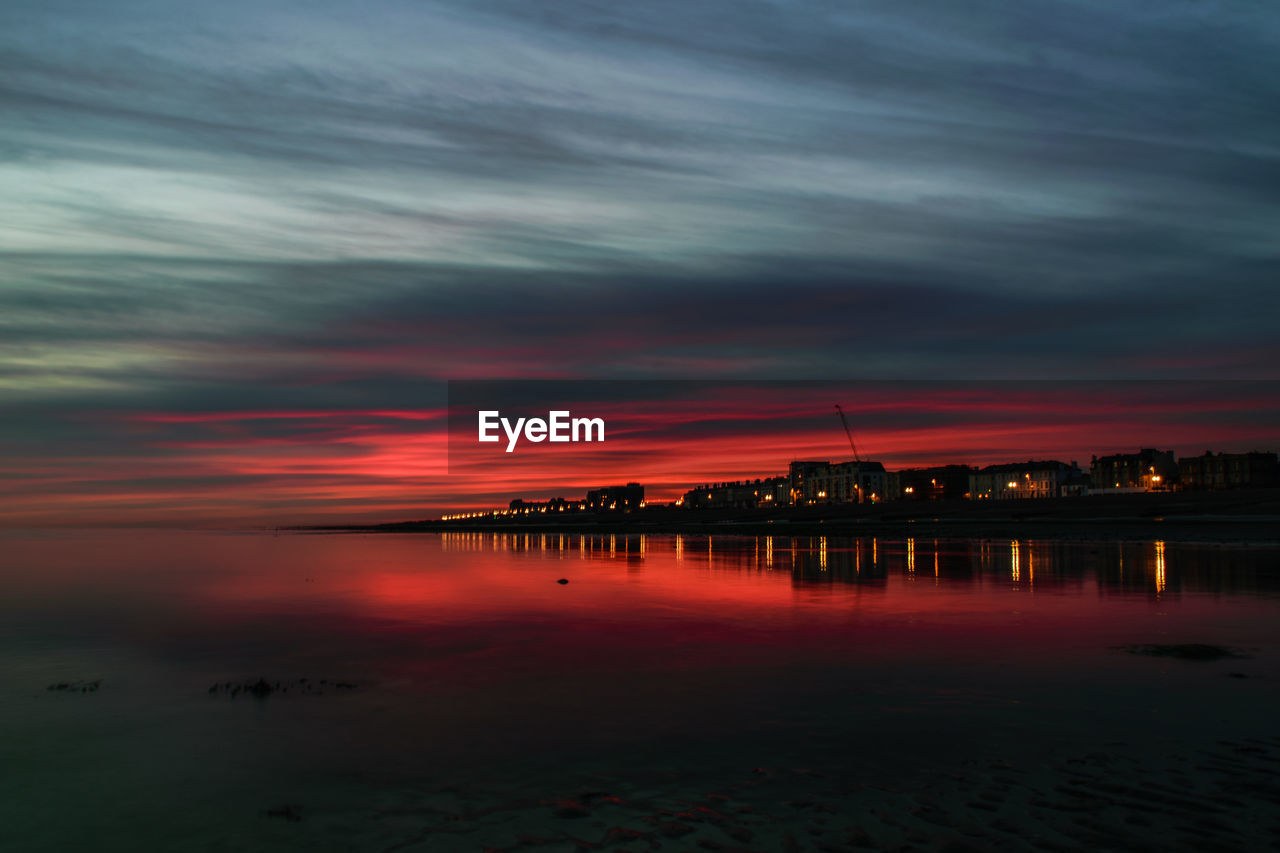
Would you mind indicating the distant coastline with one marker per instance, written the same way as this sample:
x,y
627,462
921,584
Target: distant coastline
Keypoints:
x,y
1248,515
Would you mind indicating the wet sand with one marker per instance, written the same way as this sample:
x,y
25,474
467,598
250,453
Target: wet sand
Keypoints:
x,y
1221,795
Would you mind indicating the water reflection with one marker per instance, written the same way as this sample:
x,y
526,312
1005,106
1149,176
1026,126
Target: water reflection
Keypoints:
x,y
1160,579
609,546
1159,569
663,652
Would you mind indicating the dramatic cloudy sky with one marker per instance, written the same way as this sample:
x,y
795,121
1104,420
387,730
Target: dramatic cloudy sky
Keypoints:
x,y
243,244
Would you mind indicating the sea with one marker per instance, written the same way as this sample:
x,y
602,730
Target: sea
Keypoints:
x,y
495,691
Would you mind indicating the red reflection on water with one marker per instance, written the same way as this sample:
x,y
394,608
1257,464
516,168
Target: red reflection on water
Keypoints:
x,y
632,600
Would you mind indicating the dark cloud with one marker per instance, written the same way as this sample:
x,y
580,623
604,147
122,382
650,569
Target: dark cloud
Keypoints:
x,y
327,207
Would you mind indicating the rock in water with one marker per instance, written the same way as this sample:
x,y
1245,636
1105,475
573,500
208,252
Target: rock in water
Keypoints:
x,y
1183,651
260,688
569,809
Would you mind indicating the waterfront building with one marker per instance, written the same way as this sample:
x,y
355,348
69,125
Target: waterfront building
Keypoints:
x,y
616,498
519,506
1023,480
929,484
1147,470
1228,471
813,482
739,494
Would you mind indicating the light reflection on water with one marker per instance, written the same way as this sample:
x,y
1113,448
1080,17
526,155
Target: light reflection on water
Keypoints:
x,y
1198,567
227,599
471,657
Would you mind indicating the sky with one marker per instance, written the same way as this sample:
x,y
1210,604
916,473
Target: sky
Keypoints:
x,y
244,246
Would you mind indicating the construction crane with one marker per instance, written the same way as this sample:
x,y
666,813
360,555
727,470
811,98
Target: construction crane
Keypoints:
x,y
840,411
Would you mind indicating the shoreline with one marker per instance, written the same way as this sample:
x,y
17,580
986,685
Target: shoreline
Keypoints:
x,y
1251,517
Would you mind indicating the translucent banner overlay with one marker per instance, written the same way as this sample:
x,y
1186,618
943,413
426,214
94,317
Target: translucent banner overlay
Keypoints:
x,y
674,435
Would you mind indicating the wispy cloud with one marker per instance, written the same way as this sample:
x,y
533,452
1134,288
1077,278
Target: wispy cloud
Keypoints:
x,y
332,207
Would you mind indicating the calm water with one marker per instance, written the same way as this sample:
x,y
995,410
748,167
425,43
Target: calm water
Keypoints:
x,y
482,692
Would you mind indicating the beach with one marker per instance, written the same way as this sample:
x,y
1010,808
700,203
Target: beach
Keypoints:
x,y
233,691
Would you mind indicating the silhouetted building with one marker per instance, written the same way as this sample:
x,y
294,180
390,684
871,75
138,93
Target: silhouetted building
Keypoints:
x,y
798,475
929,484
519,506
1147,470
839,482
1021,480
774,491
740,494
1076,483
616,498
1228,471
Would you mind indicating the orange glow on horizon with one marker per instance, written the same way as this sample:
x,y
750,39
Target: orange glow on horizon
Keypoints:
x,y
284,467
